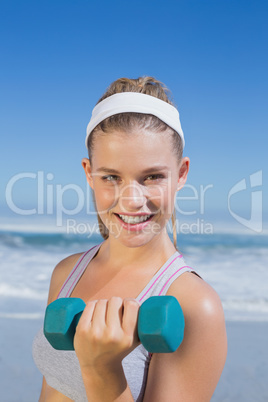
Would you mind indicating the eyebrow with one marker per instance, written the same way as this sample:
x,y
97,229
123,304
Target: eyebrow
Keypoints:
x,y
148,170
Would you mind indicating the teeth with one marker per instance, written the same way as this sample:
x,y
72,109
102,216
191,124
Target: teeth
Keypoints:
x,y
134,219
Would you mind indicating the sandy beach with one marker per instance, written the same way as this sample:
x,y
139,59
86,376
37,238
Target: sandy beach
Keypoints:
x,y
245,374
244,377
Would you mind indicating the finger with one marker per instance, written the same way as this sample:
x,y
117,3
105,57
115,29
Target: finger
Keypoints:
x,y
87,315
99,314
114,312
130,315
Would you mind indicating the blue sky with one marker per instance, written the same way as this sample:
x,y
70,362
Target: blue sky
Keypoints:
x,y
58,57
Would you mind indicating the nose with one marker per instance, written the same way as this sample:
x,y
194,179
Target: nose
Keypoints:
x,y
132,197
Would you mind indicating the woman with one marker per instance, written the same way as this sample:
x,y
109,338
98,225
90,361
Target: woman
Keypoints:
x,y
135,168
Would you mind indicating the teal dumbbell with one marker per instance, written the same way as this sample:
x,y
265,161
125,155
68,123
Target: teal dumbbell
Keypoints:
x,y
160,323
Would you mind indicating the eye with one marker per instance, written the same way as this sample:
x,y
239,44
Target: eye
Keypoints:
x,y
154,177
110,178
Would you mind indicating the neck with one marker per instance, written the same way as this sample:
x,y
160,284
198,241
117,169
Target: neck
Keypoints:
x,y
116,254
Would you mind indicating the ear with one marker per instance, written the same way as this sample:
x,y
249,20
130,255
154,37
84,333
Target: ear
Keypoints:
x,y
183,172
87,168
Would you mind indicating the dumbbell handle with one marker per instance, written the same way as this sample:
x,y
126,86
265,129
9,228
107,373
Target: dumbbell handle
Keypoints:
x,y
160,323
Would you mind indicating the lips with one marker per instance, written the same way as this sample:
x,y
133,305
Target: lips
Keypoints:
x,y
134,219
134,222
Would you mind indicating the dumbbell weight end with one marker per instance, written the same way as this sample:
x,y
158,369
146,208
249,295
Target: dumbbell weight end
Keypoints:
x,y
161,324
58,328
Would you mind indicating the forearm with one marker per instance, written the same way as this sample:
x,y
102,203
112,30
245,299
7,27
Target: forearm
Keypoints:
x,y
106,385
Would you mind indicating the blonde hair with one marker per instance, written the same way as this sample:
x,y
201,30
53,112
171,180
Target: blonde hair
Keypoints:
x,y
128,121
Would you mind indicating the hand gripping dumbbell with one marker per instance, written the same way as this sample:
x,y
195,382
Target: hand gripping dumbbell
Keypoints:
x,y
160,323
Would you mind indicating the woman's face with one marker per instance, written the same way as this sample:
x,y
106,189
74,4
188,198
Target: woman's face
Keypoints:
x,y
135,177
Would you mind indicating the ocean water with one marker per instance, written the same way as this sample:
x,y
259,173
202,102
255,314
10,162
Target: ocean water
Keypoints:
x,y
236,265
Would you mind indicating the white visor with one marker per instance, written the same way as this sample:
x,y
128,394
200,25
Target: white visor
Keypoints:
x,y
125,102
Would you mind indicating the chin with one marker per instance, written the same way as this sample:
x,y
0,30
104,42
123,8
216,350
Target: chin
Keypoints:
x,y
134,241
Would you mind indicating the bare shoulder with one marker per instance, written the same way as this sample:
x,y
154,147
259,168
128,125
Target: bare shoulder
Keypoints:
x,y
197,298
60,274
203,313
192,372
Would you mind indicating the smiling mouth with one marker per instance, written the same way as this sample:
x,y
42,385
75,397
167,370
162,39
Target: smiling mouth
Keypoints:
x,y
134,220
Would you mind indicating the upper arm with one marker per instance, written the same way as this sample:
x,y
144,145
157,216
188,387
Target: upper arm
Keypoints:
x,y
191,373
